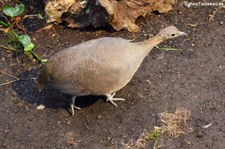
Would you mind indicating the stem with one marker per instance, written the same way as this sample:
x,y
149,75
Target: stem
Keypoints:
x,y
38,57
4,24
17,36
154,147
155,144
9,82
9,75
7,48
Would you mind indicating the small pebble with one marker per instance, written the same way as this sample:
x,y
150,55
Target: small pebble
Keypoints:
x,y
221,22
99,117
149,82
40,107
68,122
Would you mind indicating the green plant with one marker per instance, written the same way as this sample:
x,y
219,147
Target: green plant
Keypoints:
x,y
154,136
13,14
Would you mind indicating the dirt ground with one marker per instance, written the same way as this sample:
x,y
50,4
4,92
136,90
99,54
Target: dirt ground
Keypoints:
x,y
193,78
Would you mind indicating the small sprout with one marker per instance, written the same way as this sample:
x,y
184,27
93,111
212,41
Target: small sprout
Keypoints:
x,y
13,11
44,60
154,135
40,16
24,40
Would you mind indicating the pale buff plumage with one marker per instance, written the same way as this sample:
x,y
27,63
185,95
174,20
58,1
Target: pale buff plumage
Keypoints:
x,y
101,66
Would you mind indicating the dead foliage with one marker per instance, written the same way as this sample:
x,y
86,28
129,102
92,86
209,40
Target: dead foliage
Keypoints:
x,y
119,14
174,124
140,143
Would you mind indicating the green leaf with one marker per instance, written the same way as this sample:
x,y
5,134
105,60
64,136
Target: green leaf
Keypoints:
x,y
13,11
26,42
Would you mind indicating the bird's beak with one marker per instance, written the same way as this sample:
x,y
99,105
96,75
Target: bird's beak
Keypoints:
x,y
183,34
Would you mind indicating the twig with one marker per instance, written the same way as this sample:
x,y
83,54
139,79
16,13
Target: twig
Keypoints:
x,y
18,79
45,28
142,34
21,28
168,49
192,25
33,15
155,144
9,75
7,48
9,82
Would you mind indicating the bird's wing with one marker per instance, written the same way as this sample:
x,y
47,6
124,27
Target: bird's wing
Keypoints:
x,y
95,67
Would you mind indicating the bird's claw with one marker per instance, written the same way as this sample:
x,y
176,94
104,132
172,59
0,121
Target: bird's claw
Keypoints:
x,y
73,106
115,99
111,99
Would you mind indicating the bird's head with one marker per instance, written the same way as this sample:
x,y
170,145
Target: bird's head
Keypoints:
x,y
171,32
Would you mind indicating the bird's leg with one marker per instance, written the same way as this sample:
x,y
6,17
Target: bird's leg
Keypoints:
x,y
111,99
72,105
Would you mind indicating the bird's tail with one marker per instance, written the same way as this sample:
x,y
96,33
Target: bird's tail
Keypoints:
x,y
42,79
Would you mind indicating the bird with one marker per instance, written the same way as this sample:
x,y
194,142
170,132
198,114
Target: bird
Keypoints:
x,y
99,66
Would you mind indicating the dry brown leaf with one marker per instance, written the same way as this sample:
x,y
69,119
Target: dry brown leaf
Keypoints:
x,y
55,8
119,14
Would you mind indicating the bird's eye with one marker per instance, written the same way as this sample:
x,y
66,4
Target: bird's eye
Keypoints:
x,y
172,35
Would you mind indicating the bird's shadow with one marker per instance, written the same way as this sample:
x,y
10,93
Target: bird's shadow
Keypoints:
x,y
27,90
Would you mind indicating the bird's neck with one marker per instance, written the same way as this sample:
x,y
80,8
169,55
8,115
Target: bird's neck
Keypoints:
x,y
149,44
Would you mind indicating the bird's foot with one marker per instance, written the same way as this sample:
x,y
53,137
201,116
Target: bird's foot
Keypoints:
x,y
115,99
111,99
73,106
